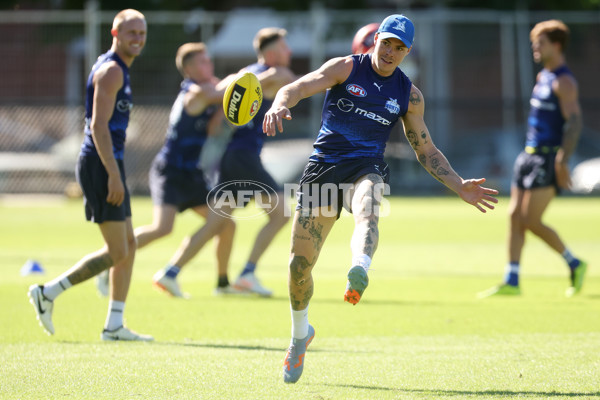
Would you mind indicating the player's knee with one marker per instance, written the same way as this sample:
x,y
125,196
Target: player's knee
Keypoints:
x,y
119,254
227,227
279,215
533,225
163,230
131,245
517,219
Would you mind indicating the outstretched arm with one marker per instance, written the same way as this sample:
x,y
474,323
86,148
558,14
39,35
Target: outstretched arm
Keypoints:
x,y
434,161
329,74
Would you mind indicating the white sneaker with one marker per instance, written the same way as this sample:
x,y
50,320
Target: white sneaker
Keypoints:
x,y
169,285
123,333
102,283
43,307
228,290
250,283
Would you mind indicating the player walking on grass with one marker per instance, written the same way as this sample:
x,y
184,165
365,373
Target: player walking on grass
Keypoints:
x,y
176,182
101,175
366,95
541,169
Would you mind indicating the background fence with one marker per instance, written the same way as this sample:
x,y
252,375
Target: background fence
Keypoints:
x,y
474,68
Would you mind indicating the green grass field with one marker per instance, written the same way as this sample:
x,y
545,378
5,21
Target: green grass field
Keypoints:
x,y
419,332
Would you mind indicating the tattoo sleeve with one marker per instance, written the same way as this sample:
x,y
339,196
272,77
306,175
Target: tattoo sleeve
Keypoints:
x,y
436,164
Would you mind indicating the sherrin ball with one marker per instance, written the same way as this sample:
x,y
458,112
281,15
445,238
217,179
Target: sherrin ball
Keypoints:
x,y
242,99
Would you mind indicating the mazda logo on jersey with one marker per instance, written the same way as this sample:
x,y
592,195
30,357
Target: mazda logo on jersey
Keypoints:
x,y
124,105
345,105
356,90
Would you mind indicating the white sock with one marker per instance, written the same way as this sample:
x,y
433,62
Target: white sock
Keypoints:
x,y
299,323
114,319
55,287
363,260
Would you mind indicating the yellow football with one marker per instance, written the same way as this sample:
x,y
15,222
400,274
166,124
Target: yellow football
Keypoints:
x,y
242,99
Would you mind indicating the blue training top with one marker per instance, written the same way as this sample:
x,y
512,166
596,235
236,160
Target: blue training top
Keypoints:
x,y
120,118
545,122
358,114
186,134
250,137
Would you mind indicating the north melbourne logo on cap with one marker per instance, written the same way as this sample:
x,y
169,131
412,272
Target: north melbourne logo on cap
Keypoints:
x,y
400,25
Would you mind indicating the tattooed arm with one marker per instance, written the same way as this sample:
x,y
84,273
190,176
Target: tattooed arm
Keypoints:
x,y
434,161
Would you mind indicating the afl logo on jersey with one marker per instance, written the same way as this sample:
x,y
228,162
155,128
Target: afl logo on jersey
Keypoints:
x,y
356,90
128,90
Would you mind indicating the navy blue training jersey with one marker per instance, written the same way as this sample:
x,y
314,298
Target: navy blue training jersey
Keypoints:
x,y
358,114
545,122
250,137
186,134
120,118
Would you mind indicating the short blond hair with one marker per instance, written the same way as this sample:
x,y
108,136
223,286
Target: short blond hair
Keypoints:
x,y
126,15
186,52
556,31
266,37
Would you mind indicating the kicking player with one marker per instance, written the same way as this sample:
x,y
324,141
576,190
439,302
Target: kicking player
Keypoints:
x,y
366,95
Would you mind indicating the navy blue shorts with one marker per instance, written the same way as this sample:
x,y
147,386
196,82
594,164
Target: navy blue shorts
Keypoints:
x,y
534,171
177,187
241,165
339,176
93,179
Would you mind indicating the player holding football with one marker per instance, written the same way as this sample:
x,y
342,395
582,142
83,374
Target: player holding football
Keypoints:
x,y
241,161
366,95
101,175
541,169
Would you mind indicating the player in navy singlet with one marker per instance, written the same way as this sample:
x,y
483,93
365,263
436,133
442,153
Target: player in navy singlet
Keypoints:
x,y
366,95
541,170
241,161
101,175
176,182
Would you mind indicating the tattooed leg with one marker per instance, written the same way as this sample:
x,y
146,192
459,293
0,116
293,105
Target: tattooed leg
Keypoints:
x,y
89,266
308,235
366,202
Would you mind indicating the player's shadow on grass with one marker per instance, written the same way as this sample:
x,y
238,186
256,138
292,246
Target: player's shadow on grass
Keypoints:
x,y
377,302
225,346
252,347
340,300
502,394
